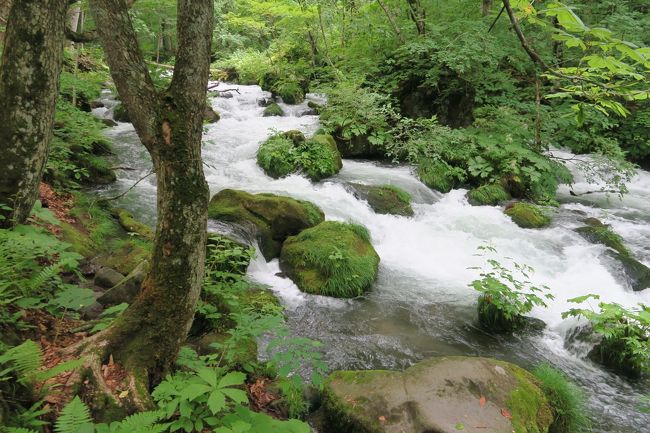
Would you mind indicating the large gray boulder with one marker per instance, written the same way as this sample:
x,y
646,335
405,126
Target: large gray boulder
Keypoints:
x,y
439,395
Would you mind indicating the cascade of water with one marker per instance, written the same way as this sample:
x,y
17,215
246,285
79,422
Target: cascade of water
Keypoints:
x,y
421,304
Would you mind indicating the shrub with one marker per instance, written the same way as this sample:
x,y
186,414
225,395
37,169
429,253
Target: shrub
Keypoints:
x,y
566,399
625,344
506,295
277,156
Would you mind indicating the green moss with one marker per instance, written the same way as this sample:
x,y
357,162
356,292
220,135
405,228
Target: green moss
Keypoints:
x,y
273,217
436,175
528,405
528,216
289,152
389,199
606,236
277,157
331,259
488,195
273,110
131,225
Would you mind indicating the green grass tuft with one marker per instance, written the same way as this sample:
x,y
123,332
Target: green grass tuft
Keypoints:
x,y
566,399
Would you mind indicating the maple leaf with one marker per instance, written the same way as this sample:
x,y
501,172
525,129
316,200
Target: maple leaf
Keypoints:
x,y
482,401
506,414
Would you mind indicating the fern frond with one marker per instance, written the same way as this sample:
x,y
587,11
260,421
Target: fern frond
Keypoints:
x,y
143,422
23,360
74,418
19,430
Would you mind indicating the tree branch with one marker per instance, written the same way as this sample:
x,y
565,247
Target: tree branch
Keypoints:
x,y
81,38
128,68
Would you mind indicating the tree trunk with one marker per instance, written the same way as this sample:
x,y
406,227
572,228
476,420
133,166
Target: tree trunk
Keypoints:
x,y
418,15
29,83
391,20
485,7
147,337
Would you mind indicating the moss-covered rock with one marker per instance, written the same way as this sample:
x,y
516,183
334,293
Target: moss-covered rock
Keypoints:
x,y
528,216
439,395
291,93
98,170
358,146
210,116
273,110
597,232
289,152
120,114
385,199
132,225
488,195
436,175
331,259
273,218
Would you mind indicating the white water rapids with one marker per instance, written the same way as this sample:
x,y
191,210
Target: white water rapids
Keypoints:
x,y
421,304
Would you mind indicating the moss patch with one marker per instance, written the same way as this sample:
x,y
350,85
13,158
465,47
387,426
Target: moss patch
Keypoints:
x,y
332,259
386,199
528,405
488,195
290,152
273,217
273,110
131,225
436,175
606,236
528,216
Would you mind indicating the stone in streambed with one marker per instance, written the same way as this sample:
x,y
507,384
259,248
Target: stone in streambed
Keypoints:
x,y
441,395
273,218
488,195
385,199
273,110
528,216
331,259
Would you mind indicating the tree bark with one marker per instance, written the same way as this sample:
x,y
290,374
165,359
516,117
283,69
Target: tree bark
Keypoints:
x,y
418,15
147,337
391,20
29,83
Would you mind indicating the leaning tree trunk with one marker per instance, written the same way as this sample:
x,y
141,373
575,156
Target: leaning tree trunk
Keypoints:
x,y
147,337
29,83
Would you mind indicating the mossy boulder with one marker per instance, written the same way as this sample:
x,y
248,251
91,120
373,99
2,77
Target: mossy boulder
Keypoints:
x,y
488,195
442,395
98,170
597,232
291,93
120,114
273,218
528,216
332,259
273,110
210,115
385,199
357,146
436,175
132,225
290,152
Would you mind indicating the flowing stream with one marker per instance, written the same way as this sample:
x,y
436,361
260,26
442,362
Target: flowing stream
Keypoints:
x,y
421,304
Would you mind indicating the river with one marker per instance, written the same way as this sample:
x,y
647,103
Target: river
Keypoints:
x,y
421,304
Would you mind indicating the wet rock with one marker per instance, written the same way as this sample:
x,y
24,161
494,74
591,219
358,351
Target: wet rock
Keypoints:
x,y
441,395
265,102
331,259
226,95
210,116
273,110
527,215
92,311
132,225
488,195
109,122
385,199
107,278
271,217
357,147
120,114
127,289
96,104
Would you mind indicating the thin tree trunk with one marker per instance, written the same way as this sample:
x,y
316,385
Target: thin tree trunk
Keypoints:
x,y
147,337
418,15
485,7
391,20
29,83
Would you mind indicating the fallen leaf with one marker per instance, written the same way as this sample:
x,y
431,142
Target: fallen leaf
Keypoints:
x,y
481,401
460,426
506,414
382,418
124,394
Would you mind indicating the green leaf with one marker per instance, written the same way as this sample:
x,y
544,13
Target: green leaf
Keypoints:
x,y
232,379
216,402
236,395
193,391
